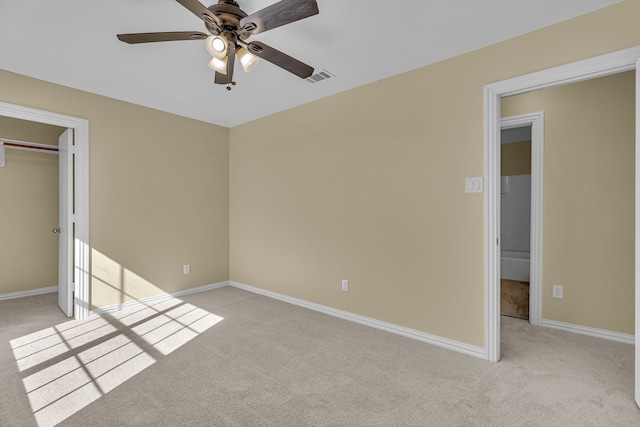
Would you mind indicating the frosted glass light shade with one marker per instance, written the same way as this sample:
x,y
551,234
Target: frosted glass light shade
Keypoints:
x,y
217,46
247,59
219,64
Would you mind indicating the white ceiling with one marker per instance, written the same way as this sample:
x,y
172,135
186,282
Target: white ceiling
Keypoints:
x,y
73,43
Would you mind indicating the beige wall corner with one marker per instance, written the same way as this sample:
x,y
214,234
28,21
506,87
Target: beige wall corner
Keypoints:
x,y
368,185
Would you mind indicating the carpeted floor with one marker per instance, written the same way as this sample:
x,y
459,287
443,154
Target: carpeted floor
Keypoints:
x,y
227,357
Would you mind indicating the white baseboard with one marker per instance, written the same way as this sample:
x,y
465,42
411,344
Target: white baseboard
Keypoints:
x,y
30,292
367,321
592,332
363,320
157,298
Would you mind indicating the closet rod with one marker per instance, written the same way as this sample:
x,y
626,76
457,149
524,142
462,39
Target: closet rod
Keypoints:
x,y
27,146
31,146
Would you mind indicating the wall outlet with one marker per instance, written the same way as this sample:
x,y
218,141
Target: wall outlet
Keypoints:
x,y
345,285
186,269
558,291
473,184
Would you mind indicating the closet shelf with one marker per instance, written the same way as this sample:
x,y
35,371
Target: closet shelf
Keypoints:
x,y
26,146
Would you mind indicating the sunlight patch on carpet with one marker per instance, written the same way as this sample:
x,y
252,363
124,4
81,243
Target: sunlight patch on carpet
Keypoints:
x,y
66,367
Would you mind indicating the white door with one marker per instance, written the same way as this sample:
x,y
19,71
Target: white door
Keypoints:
x,y
65,224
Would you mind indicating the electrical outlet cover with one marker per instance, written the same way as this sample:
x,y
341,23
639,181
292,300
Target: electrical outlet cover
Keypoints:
x,y
558,291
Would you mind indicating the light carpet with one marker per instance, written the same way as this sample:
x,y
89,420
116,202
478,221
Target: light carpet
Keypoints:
x,y
228,357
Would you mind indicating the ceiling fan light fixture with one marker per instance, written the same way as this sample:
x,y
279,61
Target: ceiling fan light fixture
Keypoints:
x,y
217,46
228,27
247,59
219,64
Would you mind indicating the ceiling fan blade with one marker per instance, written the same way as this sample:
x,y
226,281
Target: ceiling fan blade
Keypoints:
x,y
161,37
226,79
281,13
280,59
201,11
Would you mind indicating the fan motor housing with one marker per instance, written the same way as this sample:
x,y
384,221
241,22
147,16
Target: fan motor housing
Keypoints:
x,y
230,14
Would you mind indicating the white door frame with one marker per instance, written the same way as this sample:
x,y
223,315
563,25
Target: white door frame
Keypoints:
x,y
613,63
637,245
80,128
536,121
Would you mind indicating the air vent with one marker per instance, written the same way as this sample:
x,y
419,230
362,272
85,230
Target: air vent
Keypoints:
x,y
318,77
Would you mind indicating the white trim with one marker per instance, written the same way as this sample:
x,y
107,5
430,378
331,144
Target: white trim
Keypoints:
x,y
637,243
492,223
367,321
613,63
82,274
592,332
81,141
536,121
587,69
30,292
157,298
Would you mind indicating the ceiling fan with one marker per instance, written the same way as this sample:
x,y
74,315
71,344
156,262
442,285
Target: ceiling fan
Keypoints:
x,y
230,27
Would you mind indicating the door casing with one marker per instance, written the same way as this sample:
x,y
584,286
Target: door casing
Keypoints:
x,y
536,121
81,267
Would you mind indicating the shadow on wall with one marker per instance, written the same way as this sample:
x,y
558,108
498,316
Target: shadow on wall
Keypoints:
x,y
66,367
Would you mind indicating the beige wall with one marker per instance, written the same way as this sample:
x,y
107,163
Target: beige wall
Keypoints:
x,y
368,184
29,199
159,192
588,207
515,158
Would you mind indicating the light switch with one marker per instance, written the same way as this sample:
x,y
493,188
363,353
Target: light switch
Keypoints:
x,y
473,184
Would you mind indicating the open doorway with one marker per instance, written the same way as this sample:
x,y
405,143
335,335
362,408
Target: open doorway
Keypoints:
x,y
587,281
78,288
607,65
515,221
29,221
525,162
